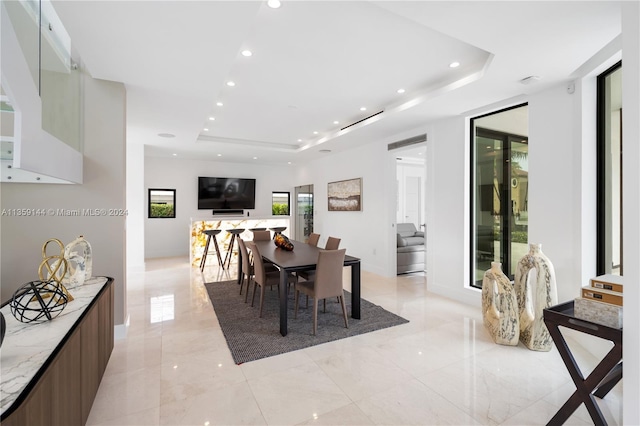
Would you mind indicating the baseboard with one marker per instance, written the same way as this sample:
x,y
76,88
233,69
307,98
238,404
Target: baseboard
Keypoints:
x,y
467,295
120,330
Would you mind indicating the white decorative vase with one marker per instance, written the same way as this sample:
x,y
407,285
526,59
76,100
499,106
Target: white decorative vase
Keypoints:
x,y
500,306
79,260
535,285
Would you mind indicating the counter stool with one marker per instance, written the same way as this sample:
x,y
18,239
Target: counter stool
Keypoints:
x,y
234,234
211,234
277,230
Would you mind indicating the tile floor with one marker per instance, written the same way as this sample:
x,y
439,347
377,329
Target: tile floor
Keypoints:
x,y
174,368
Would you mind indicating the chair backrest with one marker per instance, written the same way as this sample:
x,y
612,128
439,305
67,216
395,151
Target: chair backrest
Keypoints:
x,y
328,281
332,243
313,240
261,235
246,261
258,263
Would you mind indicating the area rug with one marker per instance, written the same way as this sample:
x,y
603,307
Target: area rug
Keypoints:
x,y
250,338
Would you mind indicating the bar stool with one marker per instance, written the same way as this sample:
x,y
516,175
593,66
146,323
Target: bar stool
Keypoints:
x,y
277,230
234,234
211,234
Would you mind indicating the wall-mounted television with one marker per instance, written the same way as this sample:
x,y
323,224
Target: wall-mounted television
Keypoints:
x,y
215,193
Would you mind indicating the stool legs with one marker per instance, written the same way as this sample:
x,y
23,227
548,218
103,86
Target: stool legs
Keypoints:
x,y
227,258
206,252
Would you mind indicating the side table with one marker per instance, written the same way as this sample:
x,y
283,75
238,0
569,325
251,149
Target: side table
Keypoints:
x,y
602,379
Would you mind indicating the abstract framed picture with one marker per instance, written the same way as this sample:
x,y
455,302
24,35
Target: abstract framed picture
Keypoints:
x,y
345,195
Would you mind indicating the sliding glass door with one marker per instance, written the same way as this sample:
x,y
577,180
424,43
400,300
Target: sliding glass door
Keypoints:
x,y
500,186
609,190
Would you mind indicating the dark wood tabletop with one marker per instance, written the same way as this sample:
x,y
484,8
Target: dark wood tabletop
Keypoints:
x,y
304,257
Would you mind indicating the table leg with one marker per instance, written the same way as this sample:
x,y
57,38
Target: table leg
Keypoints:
x,y
609,382
355,290
584,387
283,301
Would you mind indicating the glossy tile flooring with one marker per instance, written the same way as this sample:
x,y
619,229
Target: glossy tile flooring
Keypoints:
x,y
174,368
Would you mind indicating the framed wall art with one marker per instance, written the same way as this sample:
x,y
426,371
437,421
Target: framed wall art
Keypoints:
x,y
345,195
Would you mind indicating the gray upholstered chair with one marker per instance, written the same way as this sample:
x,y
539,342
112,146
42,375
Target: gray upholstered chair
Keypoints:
x,y
261,235
261,277
313,239
326,283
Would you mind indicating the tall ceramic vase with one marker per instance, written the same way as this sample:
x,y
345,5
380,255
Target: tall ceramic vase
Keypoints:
x,y
536,289
500,306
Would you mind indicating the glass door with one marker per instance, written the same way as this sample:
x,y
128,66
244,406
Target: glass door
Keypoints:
x,y
499,194
304,212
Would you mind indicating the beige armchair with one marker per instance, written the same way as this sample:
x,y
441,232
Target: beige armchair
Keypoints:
x,y
326,283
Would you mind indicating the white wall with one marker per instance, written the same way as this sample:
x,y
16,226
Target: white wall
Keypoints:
x,y
631,194
135,206
170,237
103,188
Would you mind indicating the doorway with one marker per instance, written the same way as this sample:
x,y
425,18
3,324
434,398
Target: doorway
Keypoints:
x,y
499,191
304,212
410,184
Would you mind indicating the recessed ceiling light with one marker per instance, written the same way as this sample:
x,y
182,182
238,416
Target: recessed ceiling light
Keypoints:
x,y
230,83
288,162
212,118
246,53
400,90
325,150
336,122
299,140
205,129
219,103
454,64
363,108
273,4
315,133
255,158
166,135
175,155
219,155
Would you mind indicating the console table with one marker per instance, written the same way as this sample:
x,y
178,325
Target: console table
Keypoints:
x,y
51,371
602,379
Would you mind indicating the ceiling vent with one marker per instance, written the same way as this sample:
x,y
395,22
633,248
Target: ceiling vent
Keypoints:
x,y
360,121
407,142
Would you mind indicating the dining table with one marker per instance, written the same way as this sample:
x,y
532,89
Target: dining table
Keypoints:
x,y
304,257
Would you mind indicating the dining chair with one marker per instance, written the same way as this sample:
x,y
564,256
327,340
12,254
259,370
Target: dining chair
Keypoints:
x,y
313,239
332,243
326,283
261,235
261,277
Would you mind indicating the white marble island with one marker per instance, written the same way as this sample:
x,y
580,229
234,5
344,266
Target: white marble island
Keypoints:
x,y
198,239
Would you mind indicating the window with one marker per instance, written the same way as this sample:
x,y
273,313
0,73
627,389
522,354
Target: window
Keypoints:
x,y
162,203
280,203
499,194
609,172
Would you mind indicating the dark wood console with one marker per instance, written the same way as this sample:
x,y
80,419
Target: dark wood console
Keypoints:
x,y
63,390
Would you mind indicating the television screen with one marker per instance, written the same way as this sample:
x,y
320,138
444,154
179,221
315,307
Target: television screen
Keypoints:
x,y
226,193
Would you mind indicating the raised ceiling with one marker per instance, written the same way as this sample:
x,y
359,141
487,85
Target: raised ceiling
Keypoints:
x,y
314,63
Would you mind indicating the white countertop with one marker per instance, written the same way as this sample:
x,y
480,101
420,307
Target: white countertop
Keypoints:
x,y
27,346
230,217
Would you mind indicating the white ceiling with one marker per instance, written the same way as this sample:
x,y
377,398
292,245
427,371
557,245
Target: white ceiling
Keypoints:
x,y
315,62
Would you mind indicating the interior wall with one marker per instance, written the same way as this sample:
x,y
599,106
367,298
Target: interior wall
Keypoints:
x,y
404,170
103,189
170,237
135,206
631,195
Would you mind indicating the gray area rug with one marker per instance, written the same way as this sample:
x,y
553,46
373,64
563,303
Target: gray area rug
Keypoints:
x,y
250,337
